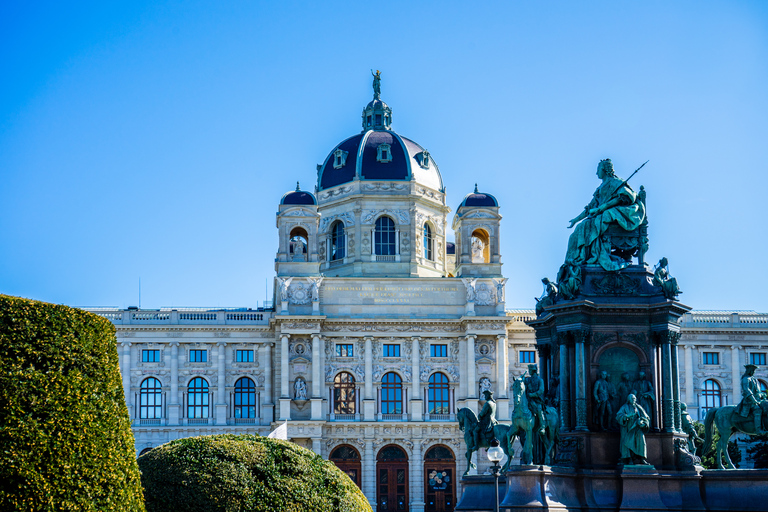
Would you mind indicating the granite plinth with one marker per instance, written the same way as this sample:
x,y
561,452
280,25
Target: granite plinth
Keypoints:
x,y
477,495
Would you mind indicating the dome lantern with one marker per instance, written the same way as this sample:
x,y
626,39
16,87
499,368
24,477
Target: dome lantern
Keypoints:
x,y
377,115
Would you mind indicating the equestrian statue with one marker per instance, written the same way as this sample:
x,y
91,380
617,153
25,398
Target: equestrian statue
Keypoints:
x,y
749,417
534,423
480,430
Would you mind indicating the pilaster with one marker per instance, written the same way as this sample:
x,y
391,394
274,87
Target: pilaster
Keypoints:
x,y
174,408
369,402
416,405
221,398
317,398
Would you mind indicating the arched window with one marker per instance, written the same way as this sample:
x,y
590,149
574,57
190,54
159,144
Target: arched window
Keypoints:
x,y
384,237
197,398
338,241
245,398
344,394
428,243
710,395
145,450
151,399
480,246
763,386
438,394
298,244
391,394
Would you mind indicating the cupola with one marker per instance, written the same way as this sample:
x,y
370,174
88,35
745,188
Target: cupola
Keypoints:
x,y
377,115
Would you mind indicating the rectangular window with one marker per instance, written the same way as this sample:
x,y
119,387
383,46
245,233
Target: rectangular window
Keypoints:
x,y
711,358
757,358
391,351
198,356
244,356
528,356
438,351
150,356
344,350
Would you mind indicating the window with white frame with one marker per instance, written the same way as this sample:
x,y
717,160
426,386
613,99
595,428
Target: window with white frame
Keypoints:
x,y
711,395
428,242
244,356
150,356
338,241
391,394
150,399
384,237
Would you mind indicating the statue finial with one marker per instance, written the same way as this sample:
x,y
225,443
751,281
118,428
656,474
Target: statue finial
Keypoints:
x,y
297,186
376,84
476,192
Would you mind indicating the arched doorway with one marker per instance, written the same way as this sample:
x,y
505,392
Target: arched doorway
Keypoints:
x,y
440,479
347,459
391,479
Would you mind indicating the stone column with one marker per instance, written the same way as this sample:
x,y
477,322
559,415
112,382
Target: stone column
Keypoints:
x,y
667,398
317,446
471,380
369,402
678,420
565,403
417,404
502,377
369,473
417,478
689,396
285,394
221,399
267,408
126,374
736,374
581,382
174,407
317,376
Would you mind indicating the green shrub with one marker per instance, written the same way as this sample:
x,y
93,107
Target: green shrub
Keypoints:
x,y
244,473
65,436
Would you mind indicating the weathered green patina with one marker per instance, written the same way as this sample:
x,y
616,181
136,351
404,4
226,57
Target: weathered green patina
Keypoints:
x,y
634,423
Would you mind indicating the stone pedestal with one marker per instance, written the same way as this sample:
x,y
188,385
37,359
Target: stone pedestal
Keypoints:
x,y
478,493
640,489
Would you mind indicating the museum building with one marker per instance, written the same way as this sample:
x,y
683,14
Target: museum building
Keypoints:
x,y
379,332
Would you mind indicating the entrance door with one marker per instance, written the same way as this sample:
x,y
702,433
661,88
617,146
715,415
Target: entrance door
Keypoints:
x,y
440,473
392,479
347,459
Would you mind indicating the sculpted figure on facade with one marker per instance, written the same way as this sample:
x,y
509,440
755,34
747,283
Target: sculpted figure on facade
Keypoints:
x,y
613,202
285,282
300,389
534,390
688,428
500,289
634,423
485,385
315,283
624,389
602,411
662,279
751,398
470,284
548,296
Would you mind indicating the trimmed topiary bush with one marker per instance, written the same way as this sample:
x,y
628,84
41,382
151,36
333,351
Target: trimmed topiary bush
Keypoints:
x,y
65,437
244,473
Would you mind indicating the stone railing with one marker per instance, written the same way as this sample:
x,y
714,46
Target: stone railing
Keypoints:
x,y
184,316
725,319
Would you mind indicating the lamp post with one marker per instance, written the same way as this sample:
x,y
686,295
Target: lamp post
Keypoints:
x,y
495,454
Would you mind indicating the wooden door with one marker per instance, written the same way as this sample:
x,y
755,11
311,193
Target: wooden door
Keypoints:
x,y
440,480
392,479
347,459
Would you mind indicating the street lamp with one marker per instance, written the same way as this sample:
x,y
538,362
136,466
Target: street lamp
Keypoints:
x,y
495,454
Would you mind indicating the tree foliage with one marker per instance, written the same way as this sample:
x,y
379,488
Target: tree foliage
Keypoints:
x,y
759,451
708,462
244,473
65,436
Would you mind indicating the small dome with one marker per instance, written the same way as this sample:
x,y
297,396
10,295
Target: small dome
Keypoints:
x,y
450,248
298,196
479,199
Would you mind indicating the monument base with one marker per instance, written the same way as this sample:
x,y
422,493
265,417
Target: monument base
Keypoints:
x,y
630,488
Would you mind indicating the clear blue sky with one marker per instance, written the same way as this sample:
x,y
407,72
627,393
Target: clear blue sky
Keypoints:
x,y
154,140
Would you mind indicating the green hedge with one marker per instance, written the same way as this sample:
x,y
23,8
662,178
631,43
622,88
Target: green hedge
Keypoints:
x,y
65,436
244,473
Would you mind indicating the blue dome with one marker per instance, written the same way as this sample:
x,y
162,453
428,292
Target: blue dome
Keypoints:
x,y
379,155
298,197
479,199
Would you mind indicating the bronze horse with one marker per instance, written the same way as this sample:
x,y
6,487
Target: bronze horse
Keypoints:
x,y
728,421
467,421
522,427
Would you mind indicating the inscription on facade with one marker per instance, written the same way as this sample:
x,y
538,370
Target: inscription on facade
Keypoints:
x,y
392,294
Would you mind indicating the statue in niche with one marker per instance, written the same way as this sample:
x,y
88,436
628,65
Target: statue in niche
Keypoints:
x,y
470,284
643,390
548,296
624,389
569,280
534,391
485,385
613,202
315,283
300,389
634,423
602,412
662,279
688,428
